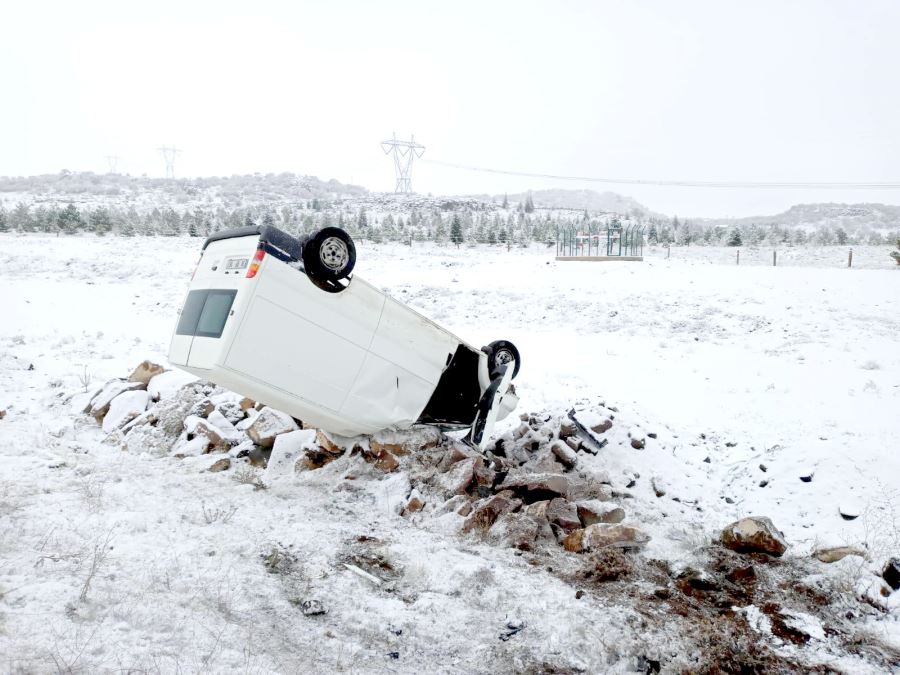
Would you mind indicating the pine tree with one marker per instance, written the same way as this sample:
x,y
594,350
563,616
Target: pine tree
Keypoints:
x,y
841,236
101,222
362,222
4,223
456,231
69,220
505,204
735,238
529,204
896,254
653,234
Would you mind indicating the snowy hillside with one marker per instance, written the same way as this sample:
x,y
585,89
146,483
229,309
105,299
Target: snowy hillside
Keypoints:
x,y
717,392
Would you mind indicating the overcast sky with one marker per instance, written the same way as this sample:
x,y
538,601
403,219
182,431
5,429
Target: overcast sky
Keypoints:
x,y
718,90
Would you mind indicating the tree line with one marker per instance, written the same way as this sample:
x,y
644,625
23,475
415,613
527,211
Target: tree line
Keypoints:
x,y
452,224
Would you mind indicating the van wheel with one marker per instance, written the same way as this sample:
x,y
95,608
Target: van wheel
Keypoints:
x,y
501,353
329,255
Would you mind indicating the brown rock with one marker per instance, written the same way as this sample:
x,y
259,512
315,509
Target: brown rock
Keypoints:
x,y
414,504
327,444
573,541
145,372
215,442
538,509
517,530
246,404
638,443
754,535
487,511
593,511
393,448
459,477
602,427
387,462
536,486
220,465
830,555
564,514
268,424
574,442
2,414
564,454
601,535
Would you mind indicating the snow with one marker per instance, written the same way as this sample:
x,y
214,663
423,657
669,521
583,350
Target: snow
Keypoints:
x,y
795,367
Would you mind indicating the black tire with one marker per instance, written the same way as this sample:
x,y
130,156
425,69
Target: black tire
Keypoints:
x,y
329,255
501,352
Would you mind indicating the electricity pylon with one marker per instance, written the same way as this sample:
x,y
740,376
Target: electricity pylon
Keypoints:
x,y
404,152
113,161
168,153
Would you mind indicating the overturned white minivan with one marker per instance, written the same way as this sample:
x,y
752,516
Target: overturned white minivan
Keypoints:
x,y
282,321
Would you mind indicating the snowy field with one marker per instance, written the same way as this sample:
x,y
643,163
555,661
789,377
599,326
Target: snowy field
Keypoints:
x,y
750,377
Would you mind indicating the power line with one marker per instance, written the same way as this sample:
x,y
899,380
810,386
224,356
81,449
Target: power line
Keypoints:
x,y
791,185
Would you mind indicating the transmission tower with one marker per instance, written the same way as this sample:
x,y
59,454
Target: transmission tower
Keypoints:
x,y
113,161
404,152
168,153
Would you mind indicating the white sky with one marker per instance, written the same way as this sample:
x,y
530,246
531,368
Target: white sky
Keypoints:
x,y
718,90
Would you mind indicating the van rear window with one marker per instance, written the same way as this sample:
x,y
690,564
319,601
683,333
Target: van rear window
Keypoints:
x,y
205,313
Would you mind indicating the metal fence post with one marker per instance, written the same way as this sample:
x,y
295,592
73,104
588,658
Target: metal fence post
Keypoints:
x,y
850,259
774,258
739,257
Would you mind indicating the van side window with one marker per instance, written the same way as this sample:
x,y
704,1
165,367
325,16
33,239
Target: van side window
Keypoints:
x,y
205,313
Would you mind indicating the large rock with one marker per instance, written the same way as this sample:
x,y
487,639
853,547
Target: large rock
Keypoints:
x,y
518,530
564,454
269,424
196,427
99,404
487,511
145,372
602,535
124,408
592,511
757,534
563,514
537,486
459,477
835,553
287,452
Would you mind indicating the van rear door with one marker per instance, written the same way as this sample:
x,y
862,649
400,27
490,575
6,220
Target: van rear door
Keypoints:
x,y
203,325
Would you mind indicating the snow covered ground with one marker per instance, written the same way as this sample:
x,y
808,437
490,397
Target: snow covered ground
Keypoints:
x,y
750,377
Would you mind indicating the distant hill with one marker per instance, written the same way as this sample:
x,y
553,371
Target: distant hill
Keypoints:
x,y
850,217
228,189
578,200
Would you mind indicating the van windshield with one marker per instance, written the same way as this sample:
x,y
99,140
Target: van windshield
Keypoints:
x,y
205,313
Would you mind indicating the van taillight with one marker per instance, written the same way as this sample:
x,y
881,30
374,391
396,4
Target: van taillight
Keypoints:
x,y
255,263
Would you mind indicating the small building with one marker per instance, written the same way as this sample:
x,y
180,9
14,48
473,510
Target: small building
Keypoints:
x,y
600,242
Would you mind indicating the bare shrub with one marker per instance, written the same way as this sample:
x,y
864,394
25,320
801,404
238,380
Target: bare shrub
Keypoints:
x,y
96,559
217,514
247,475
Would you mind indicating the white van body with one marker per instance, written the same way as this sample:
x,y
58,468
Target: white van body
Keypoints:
x,y
350,362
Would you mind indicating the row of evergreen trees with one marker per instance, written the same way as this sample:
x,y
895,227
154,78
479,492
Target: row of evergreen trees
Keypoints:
x,y
509,227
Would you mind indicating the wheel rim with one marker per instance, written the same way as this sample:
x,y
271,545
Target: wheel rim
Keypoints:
x,y
334,254
504,357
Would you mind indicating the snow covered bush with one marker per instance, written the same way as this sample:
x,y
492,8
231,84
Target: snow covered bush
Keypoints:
x,y
896,254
